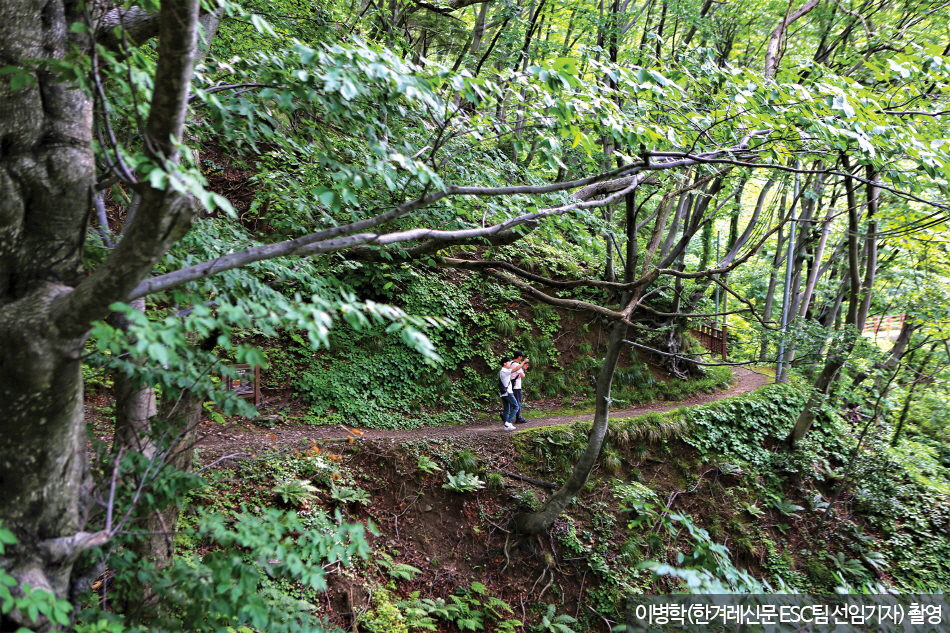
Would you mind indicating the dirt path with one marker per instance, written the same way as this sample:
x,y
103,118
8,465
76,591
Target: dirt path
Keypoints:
x,y
246,438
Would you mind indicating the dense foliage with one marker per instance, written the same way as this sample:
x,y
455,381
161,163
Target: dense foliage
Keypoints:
x,y
374,201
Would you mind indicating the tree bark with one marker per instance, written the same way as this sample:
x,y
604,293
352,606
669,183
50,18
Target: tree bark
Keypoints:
x,y
773,282
707,5
893,357
631,210
46,171
833,364
854,272
134,403
813,274
871,243
156,526
806,237
47,177
910,395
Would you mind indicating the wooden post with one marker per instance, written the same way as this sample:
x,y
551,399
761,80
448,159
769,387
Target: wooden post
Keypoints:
x,y
725,338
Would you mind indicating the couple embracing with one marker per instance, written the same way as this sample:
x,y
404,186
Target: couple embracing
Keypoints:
x,y
509,389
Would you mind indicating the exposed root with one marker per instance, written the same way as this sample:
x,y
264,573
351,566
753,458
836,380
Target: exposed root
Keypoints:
x,y
507,555
540,578
547,586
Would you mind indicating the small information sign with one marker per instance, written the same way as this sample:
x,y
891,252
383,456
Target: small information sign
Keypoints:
x,y
246,383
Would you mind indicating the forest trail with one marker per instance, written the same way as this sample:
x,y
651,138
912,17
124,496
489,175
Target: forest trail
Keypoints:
x,y
239,440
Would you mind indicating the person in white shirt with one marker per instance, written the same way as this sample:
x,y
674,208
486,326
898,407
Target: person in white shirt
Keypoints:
x,y
518,366
506,393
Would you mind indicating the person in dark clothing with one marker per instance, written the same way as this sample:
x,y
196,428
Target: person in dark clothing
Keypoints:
x,y
518,366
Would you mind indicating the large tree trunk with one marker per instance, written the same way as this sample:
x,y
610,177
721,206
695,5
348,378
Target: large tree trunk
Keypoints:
x,y
47,306
46,171
43,469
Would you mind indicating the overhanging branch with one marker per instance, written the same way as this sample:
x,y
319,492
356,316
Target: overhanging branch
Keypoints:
x,y
347,236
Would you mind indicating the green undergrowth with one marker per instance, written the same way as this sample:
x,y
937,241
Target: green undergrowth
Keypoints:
x,y
703,498
469,608
709,499
317,488
369,377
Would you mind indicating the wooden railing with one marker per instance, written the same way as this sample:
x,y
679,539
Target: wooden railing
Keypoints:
x,y
884,324
715,339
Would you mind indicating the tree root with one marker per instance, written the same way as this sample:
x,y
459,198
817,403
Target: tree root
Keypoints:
x,y
507,555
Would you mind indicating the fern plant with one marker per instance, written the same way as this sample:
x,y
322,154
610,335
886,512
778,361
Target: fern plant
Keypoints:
x,y
472,609
344,494
426,465
464,614
785,506
293,492
464,482
398,571
417,613
459,611
552,623
849,566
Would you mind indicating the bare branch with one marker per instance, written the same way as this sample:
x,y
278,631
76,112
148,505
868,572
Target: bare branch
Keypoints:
x,y
570,304
915,112
773,49
466,264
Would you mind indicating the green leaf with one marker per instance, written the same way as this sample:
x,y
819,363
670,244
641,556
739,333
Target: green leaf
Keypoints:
x,y
20,80
158,178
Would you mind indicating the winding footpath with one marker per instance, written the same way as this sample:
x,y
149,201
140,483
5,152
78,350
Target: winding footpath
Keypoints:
x,y
248,438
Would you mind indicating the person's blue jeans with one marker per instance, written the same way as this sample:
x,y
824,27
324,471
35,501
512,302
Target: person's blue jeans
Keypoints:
x,y
510,407
519,397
